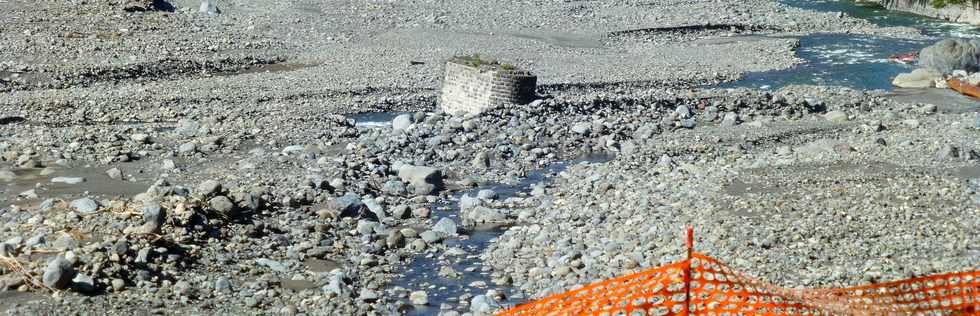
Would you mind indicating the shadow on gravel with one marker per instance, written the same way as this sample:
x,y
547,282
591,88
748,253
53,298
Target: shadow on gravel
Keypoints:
x,y
153,5
546,89
11,120
738,28
161,5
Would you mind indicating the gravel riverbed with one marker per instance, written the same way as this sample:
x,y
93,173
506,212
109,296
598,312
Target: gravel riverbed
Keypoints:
x,y
157,159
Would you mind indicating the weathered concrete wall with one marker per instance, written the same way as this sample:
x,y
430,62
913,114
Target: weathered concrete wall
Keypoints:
x,y
962,13
471,90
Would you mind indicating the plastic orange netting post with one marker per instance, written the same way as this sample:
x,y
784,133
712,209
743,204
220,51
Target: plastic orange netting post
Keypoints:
x,y
687,270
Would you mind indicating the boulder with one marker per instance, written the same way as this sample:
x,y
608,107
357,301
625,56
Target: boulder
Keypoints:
x,y
85,205
445,226
483,305
424,180
951,54
401,122
349,205
58,274
919,78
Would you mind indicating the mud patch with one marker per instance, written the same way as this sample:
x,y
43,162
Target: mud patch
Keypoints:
x,y
946,100
267,68
321,265
568,40
9,299
164,69
297,285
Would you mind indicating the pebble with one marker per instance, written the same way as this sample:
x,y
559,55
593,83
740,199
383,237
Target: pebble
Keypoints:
x,y
118,285
186,148
68,180
425,180
430,236
85,205
420,298
58,274
483,304
222,285
140,138
401,122
422,212
114,173
445,226
208,188
368,296
271,264
153,217
836,116
222,205
730,119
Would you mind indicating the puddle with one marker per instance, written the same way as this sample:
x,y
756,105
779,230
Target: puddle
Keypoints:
x,y
96,184
267,68
568,40
320,265
374,119
739,187
968,172
297,285
423,272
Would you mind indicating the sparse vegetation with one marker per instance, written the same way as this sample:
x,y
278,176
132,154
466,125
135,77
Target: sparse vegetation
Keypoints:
x,y
943,3
477,61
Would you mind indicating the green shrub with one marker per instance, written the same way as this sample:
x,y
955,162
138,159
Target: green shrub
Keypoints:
x,y
476,60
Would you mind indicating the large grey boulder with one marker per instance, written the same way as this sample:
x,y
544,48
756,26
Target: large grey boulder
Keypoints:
x,y
919,78
951,54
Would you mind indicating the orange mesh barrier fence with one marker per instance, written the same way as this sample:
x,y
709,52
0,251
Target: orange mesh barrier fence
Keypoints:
x,y
702,285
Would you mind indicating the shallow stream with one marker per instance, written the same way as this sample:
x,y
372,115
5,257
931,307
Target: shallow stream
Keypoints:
x,y
855,61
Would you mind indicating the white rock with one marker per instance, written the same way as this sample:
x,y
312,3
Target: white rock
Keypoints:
x,y
68,180
919,78
419,298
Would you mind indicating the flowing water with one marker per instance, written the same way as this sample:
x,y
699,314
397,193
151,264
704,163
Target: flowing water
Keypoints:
x,y
474,278
375,119
855,61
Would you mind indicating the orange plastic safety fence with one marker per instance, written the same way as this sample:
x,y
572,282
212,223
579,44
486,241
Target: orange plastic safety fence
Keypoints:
x,y
716,289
